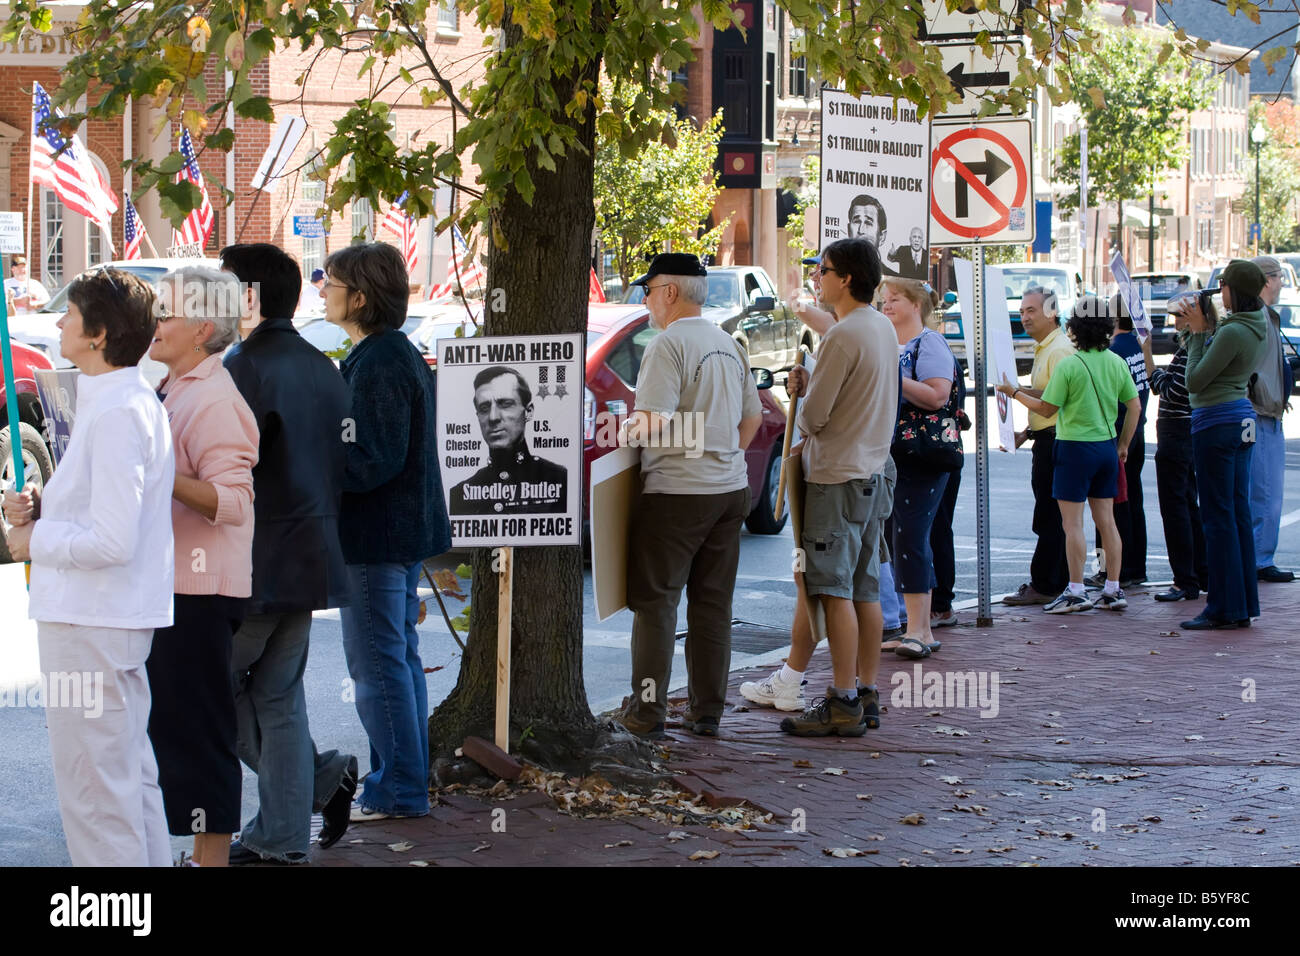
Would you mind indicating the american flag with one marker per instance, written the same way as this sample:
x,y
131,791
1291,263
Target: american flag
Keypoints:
x,y
133,231
471,272
64,166
198,224
404,227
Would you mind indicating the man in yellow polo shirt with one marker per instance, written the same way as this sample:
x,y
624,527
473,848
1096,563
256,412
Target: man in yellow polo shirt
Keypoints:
x,y
1048,571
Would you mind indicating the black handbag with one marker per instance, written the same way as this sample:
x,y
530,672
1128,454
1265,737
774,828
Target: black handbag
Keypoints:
x,y
929,439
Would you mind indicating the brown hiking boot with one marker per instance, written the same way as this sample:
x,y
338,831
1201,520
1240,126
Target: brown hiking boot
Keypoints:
x,y
828,715
1026,596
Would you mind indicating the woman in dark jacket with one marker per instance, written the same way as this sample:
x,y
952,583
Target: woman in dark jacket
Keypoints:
x,y
1223,435
393,516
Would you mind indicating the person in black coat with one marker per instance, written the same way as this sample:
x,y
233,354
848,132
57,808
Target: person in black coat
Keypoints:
x,y
300,402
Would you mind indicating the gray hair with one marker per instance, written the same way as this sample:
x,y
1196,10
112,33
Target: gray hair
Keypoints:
x,y
204,294
1049,299
694,289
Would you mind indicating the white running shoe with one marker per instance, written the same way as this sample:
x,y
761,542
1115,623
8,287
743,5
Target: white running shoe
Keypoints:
x,y
774,692
1110,602
1068,602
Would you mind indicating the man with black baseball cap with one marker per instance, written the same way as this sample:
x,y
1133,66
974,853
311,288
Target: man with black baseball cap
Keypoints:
x,y
687,526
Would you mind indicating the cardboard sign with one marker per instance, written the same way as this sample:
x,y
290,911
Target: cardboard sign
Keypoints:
x,y
615,491
11,233
510,438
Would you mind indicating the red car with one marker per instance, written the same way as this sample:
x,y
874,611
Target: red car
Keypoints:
x,y
616,339
37,464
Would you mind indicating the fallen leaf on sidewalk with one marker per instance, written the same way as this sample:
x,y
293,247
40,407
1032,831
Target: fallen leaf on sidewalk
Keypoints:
x,y
764,753
874,755
875,836
400,847
1153,819
843,852
958,849
1052,723
1001,849
1143,721
419,863
970,808
950,731
803,763
1223,717
1062,740
703,855
951,781
934,713
1053,713
913,819
1156,653
677,835
834,771
1240,818
481,846
864,796
611,846
1252,830
1190,737
926,762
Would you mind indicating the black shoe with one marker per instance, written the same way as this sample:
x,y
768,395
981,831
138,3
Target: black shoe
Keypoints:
x,y
241,855
1178,594
1132,582
701,726
870,701
336,814
1275,575
1203,623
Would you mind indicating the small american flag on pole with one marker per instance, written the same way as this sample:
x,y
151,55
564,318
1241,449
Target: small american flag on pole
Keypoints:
x,y
64,166
133,231
404,227
198,224
470,271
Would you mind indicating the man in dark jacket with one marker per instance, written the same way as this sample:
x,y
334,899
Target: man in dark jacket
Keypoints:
x,y
300,402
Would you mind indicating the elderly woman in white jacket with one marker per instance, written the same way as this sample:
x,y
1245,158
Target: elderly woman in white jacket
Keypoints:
x,y
100,543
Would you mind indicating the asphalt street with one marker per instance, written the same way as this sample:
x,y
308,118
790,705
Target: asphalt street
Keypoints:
x,y
30,832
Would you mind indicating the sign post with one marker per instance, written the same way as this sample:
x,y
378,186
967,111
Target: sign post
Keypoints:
x,y
505,593
979,374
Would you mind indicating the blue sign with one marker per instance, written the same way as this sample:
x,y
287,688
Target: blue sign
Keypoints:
x,y
1256,232
1043,234
308,227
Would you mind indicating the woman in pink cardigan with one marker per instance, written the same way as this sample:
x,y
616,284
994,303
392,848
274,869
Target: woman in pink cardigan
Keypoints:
x,y
214,433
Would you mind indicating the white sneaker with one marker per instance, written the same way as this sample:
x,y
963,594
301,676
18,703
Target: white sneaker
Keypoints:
x,y
774,692
1068,603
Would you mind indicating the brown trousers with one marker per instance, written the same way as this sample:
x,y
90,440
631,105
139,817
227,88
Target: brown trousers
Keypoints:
x,y
690,541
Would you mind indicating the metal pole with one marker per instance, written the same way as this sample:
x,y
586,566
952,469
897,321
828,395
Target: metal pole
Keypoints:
x,y
984,614
1083,207
1259,228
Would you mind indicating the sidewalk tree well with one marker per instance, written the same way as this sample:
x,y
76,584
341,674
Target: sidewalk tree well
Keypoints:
x,y
659,194
529,126
1135,96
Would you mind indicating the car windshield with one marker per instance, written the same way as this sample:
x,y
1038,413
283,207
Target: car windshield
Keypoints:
x,y
1161,287
324,335
59,301
1018,280
724,292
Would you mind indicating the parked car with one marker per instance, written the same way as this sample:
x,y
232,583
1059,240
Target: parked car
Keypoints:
x,y
40,329
617,336
743,301
445,321
1060,279
1156,289
332,340
38,464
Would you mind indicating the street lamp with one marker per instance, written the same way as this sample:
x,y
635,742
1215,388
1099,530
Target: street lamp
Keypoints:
x,y
1257,137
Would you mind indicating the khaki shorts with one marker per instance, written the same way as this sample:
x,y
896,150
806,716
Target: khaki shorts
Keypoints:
x,y
842,533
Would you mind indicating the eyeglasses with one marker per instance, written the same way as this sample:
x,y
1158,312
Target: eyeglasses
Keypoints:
x,y
651,288
331,284
825,269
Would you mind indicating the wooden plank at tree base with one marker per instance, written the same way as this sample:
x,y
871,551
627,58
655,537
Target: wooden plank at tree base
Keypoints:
x,y
505,590
492,758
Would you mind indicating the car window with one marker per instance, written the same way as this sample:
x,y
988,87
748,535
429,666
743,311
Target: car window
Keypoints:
x,y
1018,280
765,287
323,335
751,288
59,301
1161,286
625,359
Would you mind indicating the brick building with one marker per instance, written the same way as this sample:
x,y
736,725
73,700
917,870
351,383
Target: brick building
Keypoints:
x,y
62,245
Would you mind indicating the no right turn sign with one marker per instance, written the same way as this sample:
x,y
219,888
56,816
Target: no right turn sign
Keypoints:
x,y
981,183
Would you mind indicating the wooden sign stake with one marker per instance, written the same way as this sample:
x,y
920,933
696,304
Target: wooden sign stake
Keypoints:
x,y
785,449
505,589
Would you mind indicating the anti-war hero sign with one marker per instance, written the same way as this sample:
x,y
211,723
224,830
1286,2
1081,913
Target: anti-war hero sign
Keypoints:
x,y
510,439
876,179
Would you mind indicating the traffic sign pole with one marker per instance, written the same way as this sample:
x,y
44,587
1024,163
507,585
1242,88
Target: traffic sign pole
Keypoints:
x,y
979,373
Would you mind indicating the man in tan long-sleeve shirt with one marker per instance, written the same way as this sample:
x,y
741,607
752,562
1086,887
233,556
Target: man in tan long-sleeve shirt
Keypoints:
x,y
848,413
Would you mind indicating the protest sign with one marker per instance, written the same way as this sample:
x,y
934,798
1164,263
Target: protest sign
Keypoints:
x,y
58,392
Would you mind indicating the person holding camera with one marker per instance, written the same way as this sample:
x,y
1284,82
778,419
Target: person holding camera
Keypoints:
x,y
1220,361
1269,391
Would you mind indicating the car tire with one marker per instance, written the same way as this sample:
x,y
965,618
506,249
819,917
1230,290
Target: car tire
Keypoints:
x,y
37,465
762,520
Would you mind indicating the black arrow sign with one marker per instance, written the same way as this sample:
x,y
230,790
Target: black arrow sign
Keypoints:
x,y
991,169
962,81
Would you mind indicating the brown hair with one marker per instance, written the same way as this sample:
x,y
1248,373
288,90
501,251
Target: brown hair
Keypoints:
x,y
122,307
378,271
915,291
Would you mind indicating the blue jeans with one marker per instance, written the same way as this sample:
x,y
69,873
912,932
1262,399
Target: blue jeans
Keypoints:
x,y
268,658
1223,480
890,605
1267,481
383,654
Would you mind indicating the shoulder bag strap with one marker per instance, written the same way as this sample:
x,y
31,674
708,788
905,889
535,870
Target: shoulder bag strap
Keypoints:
x,y
1096,393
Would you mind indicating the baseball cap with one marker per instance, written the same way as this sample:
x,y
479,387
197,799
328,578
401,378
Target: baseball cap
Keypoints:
x,y
672,264
812,260
317,275
1244,275
1268,265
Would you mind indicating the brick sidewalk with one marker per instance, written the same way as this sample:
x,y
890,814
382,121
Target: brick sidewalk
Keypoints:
x,y
1118,740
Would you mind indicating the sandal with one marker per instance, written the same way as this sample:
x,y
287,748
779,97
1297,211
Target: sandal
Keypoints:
x,y
913,648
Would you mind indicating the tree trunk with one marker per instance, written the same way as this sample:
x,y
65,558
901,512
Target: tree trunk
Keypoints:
x,y
543,273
